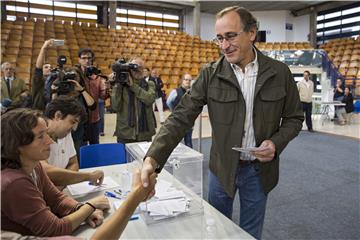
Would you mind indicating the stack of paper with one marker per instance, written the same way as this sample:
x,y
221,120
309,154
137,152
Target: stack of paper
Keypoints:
x,y
86,187
167,202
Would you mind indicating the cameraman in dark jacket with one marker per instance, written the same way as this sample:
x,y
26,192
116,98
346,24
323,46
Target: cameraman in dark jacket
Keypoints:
x,y
95,84
159,94
132,101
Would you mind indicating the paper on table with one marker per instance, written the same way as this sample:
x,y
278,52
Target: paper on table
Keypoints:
x,y
168,202
167,207
85,187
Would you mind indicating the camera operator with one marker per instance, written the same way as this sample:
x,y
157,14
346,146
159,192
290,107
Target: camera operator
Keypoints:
x,y
91,79
132,98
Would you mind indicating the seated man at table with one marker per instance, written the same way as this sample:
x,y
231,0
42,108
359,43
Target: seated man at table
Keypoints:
x,y
64,113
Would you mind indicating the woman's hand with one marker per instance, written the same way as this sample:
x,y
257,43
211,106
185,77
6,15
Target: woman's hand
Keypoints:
x,y
95,219
100,202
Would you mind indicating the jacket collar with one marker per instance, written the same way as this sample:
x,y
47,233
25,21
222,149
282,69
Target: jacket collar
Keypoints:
x,y
226,73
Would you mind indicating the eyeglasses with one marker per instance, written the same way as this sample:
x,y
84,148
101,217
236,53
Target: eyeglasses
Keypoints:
x,y
229,37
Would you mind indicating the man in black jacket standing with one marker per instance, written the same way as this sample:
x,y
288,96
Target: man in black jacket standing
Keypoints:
x,y
158,93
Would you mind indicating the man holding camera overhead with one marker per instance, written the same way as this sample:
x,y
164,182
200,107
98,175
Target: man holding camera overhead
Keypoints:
x,y
132,99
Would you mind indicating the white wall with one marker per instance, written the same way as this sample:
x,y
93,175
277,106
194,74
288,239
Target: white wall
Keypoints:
x,y
207,25
273,22
301,28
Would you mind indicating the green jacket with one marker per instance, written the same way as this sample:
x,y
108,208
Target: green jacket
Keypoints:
x,y
277,116
120,102
18,86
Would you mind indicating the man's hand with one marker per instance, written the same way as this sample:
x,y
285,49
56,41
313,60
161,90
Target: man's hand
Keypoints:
x,y
148,168
138,188
96,177
95,219
24,94
131,81
266,152
78,87
48,43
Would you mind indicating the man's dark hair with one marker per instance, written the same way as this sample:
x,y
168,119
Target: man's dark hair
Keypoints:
x,y
83,51
308,72
67,106
247,19
16,131
147,69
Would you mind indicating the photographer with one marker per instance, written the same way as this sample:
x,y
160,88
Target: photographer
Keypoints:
x,y
91,79
132,98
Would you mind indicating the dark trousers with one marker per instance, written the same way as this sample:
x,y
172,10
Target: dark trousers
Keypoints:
x,y
307,108
188,138
78,138
93,132
102,115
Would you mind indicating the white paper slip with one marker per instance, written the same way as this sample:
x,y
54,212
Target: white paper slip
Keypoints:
x,y
248,149
85,187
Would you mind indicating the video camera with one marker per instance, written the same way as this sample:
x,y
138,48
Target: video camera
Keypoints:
x,y
92,70
60,77
122,70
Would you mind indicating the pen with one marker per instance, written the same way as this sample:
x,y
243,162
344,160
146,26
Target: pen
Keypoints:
x,y
100,185
134,218
110,194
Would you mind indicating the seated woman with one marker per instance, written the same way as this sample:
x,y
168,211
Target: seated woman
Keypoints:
x,y
343,113
31,204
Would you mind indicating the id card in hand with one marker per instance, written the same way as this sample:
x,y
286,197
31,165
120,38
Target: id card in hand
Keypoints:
x,y
248,149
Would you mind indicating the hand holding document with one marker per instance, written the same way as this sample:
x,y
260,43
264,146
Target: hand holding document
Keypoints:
x,y
249,150
264,153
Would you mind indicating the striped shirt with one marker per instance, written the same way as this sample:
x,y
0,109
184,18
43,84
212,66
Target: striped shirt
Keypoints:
x,y
247,81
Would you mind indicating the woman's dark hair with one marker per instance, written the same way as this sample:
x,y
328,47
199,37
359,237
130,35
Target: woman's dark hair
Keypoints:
x,y
16,131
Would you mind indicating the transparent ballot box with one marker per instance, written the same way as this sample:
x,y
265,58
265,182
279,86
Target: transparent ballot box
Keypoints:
x,y
179,188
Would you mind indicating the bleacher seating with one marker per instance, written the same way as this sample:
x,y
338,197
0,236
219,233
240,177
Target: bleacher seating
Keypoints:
x,y
277,46
345,55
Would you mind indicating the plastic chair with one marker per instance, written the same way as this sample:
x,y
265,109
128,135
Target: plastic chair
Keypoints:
x,y
96,155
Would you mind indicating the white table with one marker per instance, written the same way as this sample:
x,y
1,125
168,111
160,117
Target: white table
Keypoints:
x,y
325,109
185,227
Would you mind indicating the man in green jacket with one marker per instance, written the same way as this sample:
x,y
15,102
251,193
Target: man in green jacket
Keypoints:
x,y
12,88
253,102
132,101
